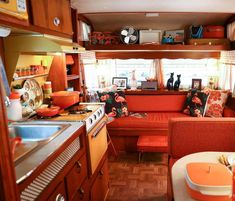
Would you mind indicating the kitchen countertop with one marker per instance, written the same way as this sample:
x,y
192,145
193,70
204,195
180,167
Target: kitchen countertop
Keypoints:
x,y
27,165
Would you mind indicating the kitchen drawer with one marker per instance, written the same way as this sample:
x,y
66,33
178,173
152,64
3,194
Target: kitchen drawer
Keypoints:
x,y
76,176
100,187
58,194
82,193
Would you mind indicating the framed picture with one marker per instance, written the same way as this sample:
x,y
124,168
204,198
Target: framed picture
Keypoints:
x,y
120,82
196,84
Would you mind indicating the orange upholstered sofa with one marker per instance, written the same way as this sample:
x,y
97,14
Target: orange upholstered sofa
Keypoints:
x,y
155,111
191,135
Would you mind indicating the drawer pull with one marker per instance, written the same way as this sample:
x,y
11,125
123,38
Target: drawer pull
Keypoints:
x,y
59,197
81,192
101,173
78,166
56,21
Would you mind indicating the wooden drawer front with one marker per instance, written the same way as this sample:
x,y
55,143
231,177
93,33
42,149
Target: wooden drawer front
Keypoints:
x,y
76,176
58,194
82,193
100,186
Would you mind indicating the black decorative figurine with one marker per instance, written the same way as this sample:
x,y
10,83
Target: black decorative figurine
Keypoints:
x,y
177,83
170,82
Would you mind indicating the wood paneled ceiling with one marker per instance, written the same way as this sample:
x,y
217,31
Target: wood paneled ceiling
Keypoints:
x,y
109,15
165,21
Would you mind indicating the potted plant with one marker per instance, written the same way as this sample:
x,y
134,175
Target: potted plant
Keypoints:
x,y
18,88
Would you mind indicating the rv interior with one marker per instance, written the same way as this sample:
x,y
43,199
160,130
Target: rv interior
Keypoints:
x,y
117,100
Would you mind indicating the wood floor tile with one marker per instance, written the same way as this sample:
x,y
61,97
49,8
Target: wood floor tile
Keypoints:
x,y
133,181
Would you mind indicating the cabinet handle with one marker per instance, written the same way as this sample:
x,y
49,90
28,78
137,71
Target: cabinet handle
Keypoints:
x,y
81,192
78,166
56,21
101,172
59,197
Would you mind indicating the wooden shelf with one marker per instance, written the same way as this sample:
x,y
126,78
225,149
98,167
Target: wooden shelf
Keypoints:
x,y
156,48
30,76
72,77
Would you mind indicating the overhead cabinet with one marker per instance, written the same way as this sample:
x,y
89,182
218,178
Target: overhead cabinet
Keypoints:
x,y
52,14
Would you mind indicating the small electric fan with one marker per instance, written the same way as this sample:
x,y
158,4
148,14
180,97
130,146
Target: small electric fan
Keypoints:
x,y
129,35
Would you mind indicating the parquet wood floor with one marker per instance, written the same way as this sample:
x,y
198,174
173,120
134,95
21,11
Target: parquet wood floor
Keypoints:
x,y
133,181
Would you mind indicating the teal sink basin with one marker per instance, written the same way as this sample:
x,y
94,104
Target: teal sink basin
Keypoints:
x,y
36,132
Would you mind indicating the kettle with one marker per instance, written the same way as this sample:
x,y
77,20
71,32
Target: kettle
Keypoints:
x,y
14,110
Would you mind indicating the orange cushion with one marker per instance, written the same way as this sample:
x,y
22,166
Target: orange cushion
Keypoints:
x,y
152,120
153,103
152,143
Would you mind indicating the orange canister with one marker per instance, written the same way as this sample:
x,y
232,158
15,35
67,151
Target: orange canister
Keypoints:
x,y
208,181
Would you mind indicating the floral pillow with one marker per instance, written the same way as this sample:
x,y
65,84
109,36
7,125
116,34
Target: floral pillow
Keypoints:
x,y
115,103
195,103
216,103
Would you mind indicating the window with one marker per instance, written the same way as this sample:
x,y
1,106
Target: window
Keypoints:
x,y
100,75
191,68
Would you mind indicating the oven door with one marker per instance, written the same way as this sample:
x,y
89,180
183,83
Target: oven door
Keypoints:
x,y
97,142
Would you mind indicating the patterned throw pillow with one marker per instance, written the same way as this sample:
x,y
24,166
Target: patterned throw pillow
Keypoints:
x,y
216,103
115,103
195,103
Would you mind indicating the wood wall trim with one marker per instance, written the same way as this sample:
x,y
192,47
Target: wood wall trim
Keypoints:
x,y
157,55
8,188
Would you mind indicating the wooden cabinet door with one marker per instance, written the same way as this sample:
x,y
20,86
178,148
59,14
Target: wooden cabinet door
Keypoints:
x,y
100,186
52,14
59,16
82,193
76,176
58,194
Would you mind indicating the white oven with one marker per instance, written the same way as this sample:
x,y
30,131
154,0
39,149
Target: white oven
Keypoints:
x,y
97,143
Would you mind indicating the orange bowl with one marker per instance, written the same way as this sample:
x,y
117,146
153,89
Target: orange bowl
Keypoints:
x,y
64,99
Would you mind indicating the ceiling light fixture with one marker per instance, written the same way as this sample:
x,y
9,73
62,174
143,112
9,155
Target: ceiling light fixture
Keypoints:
x,y
151,14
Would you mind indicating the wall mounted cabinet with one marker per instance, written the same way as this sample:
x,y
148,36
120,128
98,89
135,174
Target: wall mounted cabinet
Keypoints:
x,y
52,14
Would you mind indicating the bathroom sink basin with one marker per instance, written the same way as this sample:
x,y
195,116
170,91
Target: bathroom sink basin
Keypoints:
x,y
36,132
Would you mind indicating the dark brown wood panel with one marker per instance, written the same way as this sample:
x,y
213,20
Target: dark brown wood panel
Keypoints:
x,y
76,176
157,55
100,186
60,190
8,190
39,14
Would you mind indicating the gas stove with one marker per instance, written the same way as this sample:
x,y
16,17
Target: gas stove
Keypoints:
x,y
90,113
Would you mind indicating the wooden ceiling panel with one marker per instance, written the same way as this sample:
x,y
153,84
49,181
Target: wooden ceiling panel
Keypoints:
x,y
165,21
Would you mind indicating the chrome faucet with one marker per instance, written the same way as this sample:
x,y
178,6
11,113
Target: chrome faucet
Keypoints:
x,y
7,101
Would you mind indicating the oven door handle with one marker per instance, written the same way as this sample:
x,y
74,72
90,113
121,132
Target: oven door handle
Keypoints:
x,y
97,131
